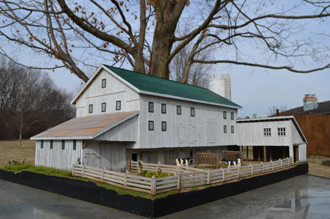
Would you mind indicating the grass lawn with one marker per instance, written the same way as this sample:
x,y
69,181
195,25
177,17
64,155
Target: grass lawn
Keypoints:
x,y
10,150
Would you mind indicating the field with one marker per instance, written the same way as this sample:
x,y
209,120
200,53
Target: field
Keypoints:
x,y
10,150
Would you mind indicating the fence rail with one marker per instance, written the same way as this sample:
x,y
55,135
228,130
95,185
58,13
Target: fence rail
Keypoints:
x,y
184,176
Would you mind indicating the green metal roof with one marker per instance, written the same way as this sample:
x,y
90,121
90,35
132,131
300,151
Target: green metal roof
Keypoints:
x,y
154,84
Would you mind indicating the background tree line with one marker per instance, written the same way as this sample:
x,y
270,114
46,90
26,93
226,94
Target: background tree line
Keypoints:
x,y
30,102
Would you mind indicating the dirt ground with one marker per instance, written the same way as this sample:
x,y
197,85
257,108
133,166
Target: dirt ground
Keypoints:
x,y
10,150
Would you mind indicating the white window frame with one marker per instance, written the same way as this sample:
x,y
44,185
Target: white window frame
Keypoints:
x,y
267,132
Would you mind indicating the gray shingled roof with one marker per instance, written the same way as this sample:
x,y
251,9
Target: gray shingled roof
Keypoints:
x,y
323,108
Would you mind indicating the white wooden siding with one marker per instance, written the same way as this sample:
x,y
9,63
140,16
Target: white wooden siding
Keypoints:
x,y
114,91
112,156
296,138
184,130
302,152
252,134
127,131
56,157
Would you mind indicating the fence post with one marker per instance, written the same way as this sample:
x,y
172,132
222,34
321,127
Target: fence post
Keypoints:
x,y
263,167
125,179
209,177
178,175
153,185
238,169
223,174
158,165
251,169
288,161
129,164
281,163
83,172
73,169
102,174
272,165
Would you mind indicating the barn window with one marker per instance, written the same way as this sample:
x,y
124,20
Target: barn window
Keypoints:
x,y
281,131
232,129
178,110
192,111
74,145
163,126
90,108
151,125
224,115
232,115
163,108
267,132
224,129
118,105
104,83
41,144
171,154
51,144
63,144
104,106
151,107
149,154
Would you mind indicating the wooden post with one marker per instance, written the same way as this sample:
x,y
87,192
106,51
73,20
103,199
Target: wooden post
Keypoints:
x,y
217,161
153,185
272,165
288,161
263,167
247,153
73,169
270,153
223,175
178,175
259,154
238,168
125,179
129,165
251,169
83,172
283,152
265,154
102,177
158,165
209,177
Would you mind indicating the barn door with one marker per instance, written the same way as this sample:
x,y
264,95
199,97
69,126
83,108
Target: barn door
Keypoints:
x,y
91,159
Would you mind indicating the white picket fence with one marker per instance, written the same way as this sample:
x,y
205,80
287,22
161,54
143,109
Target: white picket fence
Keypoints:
x,y
184,176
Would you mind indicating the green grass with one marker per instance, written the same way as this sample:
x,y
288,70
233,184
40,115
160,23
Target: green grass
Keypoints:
x,y
297,164
68,174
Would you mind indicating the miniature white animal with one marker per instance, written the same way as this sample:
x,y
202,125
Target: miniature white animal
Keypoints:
x,y
239,162
187,163
177,162
234,163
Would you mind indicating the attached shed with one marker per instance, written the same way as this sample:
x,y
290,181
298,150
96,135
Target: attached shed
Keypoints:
x,y
272,138
98,141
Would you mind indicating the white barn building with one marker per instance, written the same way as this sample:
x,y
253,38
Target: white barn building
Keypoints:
x,y
272,137
122,114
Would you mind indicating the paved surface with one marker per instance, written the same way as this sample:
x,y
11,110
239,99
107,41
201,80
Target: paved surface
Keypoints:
x,y
301,197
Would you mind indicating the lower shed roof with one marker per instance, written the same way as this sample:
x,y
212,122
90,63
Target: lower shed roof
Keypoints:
x,y
83,128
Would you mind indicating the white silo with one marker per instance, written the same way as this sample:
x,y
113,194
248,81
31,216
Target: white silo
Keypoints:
x,y
220,85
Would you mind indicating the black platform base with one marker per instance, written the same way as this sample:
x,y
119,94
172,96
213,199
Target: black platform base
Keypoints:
x,y
90,192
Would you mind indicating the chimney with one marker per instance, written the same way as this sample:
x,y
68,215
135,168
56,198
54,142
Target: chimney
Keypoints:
x,y
310,102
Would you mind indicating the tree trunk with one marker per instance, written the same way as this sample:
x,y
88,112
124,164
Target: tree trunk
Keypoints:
x,y
168,13
20,132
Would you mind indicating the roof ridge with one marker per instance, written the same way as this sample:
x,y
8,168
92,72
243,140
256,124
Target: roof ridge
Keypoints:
x,y
157,77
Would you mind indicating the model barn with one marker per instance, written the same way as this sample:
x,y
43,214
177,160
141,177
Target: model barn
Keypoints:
x,y
122,114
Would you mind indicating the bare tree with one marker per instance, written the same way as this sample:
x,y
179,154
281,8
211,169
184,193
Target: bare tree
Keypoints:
x,y
272,110
30,98
144,33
